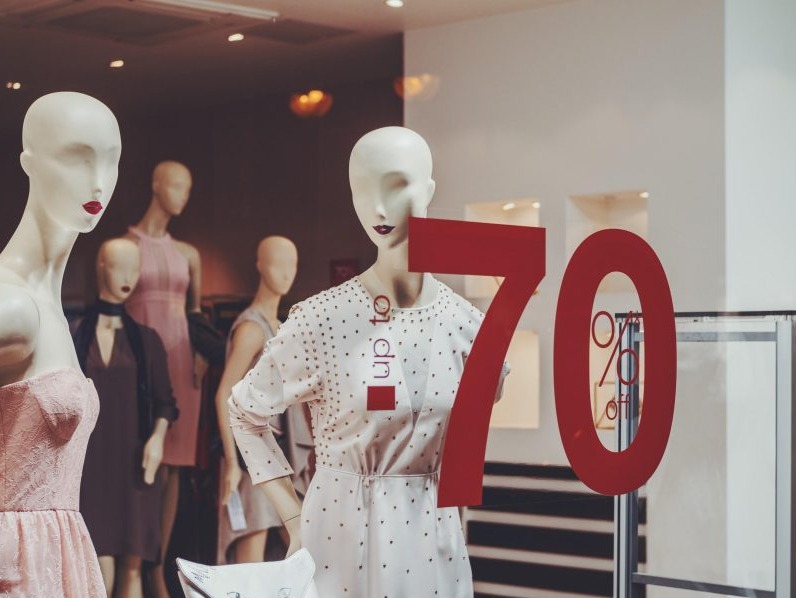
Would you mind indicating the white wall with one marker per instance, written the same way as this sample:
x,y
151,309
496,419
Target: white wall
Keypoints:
x,y
760,72
580,98
761,154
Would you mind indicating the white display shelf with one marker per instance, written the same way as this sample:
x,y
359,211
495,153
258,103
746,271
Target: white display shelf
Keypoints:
x,y
587,214
519,407
521,212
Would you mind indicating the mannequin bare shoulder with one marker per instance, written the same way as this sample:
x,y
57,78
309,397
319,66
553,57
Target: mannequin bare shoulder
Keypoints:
x,y
247,343
190,252
19,325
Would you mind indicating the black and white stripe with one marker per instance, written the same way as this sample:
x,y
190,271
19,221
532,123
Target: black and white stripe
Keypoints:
x,y
540,532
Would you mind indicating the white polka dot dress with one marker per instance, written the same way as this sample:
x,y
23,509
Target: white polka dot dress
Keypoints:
x,y
369,518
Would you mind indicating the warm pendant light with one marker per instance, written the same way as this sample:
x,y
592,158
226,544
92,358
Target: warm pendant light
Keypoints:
x,y
313,104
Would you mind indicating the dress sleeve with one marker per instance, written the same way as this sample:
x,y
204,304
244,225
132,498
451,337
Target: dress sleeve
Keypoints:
x,y
163,402
287,373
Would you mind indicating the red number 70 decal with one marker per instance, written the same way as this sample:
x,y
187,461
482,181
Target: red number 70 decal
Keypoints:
x,y
518,254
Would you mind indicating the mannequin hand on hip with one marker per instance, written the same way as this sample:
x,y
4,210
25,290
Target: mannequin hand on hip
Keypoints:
x,y
282,494
153,451
232,477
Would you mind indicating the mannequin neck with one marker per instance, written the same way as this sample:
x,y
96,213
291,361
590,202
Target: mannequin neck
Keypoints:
x,y
266,301
390,274
155,221
39,249
105,320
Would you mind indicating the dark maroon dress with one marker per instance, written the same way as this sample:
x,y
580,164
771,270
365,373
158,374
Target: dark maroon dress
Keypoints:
x,y
122,513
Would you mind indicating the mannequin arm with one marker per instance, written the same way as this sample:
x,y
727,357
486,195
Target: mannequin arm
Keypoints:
x,y
246,344
279,379
282,495
194,303
195,271
153,450
19,328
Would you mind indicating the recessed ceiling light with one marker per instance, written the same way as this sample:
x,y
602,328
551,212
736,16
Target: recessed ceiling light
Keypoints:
x,y
536,205
15,85
394,3
644,195
117,64
509,206
235,37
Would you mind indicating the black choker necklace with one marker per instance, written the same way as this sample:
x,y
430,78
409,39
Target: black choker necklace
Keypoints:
x,y
107,308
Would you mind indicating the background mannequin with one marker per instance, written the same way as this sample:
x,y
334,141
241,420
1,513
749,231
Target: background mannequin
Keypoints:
x,y
169,288
119,498
370,518
277,260
71,149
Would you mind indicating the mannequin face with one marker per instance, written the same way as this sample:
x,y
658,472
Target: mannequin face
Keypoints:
x,y
390,176
171,186
277,263
118,269
71,149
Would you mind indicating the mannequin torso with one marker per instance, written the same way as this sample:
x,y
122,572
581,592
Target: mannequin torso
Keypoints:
x,y
71,149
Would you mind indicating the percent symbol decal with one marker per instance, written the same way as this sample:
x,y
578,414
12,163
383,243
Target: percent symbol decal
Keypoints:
x,y
518,254
632,318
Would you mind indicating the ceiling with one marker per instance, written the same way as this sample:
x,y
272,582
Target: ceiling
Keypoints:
x,y
178,57
374,17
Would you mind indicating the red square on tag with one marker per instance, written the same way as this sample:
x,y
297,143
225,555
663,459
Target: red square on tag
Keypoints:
x,y
381,398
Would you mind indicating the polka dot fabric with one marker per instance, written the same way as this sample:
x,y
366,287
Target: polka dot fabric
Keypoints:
x,y
369,518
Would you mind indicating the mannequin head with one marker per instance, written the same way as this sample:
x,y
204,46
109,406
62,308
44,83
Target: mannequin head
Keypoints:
x,y
277,262
118,268
390,176
171,186
70,152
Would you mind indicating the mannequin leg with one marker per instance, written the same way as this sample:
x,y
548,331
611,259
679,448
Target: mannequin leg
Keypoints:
x,y
108,570
171,496
129,578
250,549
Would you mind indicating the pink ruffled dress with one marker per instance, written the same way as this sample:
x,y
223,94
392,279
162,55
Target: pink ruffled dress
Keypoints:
x,y
45,549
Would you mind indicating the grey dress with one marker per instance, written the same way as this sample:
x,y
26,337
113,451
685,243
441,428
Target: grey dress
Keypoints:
x,y
295,438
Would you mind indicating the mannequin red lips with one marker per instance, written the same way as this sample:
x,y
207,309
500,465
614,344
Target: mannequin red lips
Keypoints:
x,y
126,289
383,229
93,207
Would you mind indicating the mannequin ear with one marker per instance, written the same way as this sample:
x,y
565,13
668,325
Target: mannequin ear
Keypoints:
x,y
25,161
432,185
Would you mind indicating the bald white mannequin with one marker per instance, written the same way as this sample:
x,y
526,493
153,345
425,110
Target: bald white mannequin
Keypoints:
x,y
277,263
71,149
390,175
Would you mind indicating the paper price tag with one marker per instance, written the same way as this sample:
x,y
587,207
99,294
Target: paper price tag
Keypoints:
x,y
237,518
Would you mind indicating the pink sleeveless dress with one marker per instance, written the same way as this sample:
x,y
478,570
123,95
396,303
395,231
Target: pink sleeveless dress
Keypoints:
x,y
45,549
158,301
